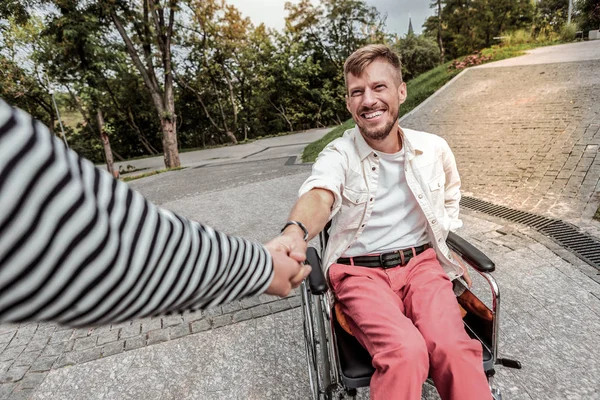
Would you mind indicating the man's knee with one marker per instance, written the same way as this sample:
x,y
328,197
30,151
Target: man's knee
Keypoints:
x,y
409,355
448,350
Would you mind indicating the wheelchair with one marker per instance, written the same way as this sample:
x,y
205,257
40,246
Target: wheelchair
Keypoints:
x,y
337,363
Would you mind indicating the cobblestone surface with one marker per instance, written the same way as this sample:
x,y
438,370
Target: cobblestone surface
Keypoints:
x,y
24,362
525,137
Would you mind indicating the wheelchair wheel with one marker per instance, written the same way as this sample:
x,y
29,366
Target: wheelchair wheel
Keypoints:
x,y
315,340
310,342
496,395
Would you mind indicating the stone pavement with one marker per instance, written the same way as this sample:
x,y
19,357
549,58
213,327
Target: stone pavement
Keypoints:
x,y
526,136
550,320
253,349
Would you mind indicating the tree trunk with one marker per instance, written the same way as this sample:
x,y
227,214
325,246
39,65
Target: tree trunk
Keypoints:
x,y
231,137
439,32
169,141
52,122
163,99
105,143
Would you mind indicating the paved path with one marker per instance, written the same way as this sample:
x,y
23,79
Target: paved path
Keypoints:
x,y
263,149
572,52
526,134
254,349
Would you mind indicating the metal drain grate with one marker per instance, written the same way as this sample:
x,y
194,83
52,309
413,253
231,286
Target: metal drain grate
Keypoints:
x,y
569,236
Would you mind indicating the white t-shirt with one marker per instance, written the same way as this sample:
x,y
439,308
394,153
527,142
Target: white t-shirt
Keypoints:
x,y
397,221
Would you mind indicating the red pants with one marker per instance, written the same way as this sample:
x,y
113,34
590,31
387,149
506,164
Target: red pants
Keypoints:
x,y
409,321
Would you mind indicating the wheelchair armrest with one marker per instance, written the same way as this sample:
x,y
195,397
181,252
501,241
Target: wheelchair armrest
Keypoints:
x,y
316,279
470,253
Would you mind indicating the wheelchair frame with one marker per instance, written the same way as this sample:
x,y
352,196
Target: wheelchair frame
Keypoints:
x,y
326,375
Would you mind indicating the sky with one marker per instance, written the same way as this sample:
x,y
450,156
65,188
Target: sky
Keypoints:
x,y
272,14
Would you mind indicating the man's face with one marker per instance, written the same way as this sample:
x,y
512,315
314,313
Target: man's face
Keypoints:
x,y
374,99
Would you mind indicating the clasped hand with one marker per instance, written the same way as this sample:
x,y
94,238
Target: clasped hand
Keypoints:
x,y
288,254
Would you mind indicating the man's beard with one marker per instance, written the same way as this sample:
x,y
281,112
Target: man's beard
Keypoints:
x,y
378,134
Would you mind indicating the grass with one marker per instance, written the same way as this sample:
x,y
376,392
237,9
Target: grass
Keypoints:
x,y
160,171
502,52
420,89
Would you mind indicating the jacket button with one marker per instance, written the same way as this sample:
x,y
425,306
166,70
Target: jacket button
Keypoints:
x,y
420,196
373,168
374,154
434,222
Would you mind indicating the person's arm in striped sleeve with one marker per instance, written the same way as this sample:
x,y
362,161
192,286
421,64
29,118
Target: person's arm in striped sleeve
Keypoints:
x,y
78,247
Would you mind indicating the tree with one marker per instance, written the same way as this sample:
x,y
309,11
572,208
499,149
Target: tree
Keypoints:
x,y
146,30
588,14
23,81
551,15
77,59
213,67
438,19
470,25
418,54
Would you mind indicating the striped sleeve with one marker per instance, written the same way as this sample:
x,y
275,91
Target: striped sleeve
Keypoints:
x,y
80,248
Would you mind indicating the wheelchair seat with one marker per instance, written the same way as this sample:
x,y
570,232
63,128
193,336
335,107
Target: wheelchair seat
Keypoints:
x,y
355,360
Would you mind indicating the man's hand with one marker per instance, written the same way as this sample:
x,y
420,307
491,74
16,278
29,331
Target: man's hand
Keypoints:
x,y
288,270
465,269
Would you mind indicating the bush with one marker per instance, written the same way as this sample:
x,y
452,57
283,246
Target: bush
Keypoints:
x,y
469,61
517,37
522,36
568,32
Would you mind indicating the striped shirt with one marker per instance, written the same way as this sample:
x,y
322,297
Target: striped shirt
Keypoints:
x,y
79,247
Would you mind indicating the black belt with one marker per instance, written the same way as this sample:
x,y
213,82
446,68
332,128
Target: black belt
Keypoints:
x,y
385,260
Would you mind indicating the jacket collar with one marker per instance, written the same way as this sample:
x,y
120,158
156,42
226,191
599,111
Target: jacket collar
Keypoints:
x,y
411,146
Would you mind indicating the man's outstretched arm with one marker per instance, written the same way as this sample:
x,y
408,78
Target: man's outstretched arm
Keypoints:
x,y
312,210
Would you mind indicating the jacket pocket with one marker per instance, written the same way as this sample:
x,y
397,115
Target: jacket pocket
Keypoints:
x,y
353,207
437,183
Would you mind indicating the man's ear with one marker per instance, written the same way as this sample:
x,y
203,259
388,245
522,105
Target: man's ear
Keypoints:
x,y
402,92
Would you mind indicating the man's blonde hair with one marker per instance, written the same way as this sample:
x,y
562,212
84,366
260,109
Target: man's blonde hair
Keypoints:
x,y
361,58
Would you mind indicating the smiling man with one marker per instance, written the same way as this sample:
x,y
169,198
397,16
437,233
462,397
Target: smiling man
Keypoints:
x,y
392,195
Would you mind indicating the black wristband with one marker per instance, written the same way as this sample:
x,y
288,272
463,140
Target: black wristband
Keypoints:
x,y
300,225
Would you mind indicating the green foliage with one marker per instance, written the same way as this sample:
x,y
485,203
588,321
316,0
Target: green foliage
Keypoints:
x,y
311,151
418,54
234,81
588,14
551,15
568,32
471,25
521,36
